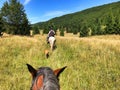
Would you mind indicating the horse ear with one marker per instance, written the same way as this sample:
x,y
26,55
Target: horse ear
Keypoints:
x,y
57,72
32,70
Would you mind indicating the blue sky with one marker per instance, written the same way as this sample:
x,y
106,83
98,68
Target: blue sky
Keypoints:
x,y
43,10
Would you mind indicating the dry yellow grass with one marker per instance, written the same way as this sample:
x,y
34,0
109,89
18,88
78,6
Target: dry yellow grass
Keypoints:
x,y
93,62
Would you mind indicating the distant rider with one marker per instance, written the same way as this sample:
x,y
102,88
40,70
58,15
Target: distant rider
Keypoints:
x,y
51,33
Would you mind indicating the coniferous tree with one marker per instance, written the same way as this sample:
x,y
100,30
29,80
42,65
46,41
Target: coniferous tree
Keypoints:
x,y
84,31
14,18
0,24
110,23
35,29
62,32
117,25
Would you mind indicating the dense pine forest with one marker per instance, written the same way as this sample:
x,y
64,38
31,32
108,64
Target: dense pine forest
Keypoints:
x,y
100,20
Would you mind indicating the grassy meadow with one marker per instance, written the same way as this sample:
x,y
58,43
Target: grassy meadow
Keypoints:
x,y
93,63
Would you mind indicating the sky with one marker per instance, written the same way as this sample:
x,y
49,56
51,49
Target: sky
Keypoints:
x,y
43,10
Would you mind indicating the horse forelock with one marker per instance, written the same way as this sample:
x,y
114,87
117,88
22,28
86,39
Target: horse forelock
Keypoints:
x,y
50,81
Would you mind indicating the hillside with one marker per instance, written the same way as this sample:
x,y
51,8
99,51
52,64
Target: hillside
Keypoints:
x,y
92,19
92,63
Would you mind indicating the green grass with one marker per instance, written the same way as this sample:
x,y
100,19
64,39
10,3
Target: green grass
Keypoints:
x,y
93,62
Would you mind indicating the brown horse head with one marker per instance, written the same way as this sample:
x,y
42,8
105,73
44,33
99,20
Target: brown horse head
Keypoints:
x,y
45,78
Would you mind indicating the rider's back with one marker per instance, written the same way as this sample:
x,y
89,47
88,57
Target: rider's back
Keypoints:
x,y
51,33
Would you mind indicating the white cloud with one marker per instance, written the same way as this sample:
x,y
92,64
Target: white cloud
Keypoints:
x,y
33,19
56,13
26,2
47,16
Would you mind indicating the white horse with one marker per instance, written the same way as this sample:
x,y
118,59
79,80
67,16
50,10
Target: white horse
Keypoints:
x,y
52,42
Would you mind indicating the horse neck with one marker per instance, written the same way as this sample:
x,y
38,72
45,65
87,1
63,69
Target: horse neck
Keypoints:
x,y
50,81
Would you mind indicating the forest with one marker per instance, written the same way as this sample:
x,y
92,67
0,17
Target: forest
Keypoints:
x,y
99,20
